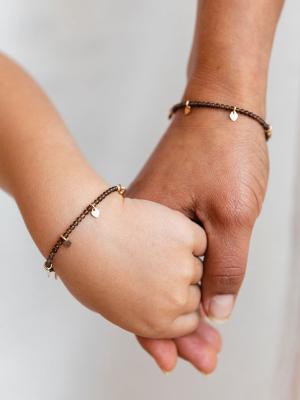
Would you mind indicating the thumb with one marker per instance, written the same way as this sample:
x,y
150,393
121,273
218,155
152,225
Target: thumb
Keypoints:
x,y
224,269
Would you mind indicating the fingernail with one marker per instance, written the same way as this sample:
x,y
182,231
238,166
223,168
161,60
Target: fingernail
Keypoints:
x,y
165,372
207,375
220,308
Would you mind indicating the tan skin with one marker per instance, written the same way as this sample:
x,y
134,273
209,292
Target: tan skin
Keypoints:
x,y
211,169
112,260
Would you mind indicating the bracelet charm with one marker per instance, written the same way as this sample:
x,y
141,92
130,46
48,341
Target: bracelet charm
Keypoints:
x,y
234,114
95,212
64,238
67,241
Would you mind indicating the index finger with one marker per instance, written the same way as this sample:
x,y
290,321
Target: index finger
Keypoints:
x,y
200,240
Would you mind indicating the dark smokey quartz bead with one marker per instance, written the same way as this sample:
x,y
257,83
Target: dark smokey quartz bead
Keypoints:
x,y
75,223
86,212
72,227
69,230
89,208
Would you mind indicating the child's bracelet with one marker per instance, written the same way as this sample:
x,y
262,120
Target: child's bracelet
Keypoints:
x,y
64,238
233,115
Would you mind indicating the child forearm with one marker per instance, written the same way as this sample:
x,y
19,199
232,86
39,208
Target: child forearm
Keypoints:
x,y
40,163
115,259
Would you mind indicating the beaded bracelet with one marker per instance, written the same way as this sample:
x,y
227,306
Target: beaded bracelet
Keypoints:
x,y
64,238
233,115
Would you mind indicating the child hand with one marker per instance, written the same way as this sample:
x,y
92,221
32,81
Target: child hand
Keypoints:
x,y
137,266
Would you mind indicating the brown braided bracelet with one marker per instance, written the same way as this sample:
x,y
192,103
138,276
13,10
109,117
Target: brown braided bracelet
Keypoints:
x,y
233,115
64,238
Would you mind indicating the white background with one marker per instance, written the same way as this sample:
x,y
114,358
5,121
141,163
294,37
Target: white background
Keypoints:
x,y
113,68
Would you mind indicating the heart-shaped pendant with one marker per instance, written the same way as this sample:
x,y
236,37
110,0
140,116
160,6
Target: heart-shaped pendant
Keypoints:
x,y
95,212
233,116
67,243
187,110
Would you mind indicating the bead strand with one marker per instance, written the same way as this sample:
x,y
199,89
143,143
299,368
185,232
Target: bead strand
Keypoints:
x,y
65,236
188,104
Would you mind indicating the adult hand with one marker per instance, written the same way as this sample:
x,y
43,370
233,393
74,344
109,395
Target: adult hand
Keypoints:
x,y
215,171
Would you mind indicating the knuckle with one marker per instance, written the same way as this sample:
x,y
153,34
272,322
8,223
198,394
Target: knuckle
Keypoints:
x,y
237,211
231,277
179,300
234,206
156,328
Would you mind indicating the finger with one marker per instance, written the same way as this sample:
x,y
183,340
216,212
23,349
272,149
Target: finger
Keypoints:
x,y
163,351
224,269
210,335
193,303
208,332
200,348
198,270
192,348
200,240
183,325
197,351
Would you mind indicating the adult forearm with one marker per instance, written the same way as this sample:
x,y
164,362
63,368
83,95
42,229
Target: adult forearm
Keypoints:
x,y
231,50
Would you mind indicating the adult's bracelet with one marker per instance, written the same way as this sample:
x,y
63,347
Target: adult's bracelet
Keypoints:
x,y
64,238
235,111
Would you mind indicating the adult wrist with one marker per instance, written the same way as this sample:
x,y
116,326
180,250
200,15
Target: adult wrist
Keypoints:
x,y
229,89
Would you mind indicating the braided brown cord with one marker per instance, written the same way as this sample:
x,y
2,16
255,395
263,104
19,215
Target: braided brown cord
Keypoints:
x,y
64,238
189,104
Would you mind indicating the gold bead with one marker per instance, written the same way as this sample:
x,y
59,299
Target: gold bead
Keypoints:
x,y
121,190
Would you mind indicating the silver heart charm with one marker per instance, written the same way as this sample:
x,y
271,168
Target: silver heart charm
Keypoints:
x,y
95,212
67,243
233,116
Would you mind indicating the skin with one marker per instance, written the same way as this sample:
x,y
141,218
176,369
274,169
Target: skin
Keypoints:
x,y
219,170
137,264
213,170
